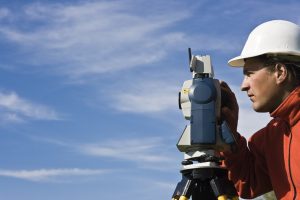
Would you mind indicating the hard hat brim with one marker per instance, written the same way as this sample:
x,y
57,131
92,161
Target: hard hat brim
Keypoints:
x,y
239,61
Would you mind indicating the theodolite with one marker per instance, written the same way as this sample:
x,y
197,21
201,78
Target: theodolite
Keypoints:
x,y
203,176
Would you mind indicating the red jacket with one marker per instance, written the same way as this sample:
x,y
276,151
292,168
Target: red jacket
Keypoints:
x,y
272,159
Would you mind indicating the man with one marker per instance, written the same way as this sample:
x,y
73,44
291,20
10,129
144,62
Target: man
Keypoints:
x,y
271,158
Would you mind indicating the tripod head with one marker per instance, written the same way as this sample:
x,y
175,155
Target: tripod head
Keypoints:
x,y
200,102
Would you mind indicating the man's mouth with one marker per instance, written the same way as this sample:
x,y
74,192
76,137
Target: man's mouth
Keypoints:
x,y
251,97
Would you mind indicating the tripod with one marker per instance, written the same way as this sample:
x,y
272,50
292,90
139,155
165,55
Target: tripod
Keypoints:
x,y
204,180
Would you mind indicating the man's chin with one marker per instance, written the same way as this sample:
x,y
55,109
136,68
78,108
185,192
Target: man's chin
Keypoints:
x,y
259,109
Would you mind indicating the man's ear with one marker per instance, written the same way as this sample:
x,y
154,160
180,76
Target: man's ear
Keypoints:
x,y
281,73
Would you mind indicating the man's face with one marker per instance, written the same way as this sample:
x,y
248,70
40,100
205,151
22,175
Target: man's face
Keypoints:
x,y
260,85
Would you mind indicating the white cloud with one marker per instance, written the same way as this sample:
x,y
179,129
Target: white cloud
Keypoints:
x,y
139,150
147,152
94,37
148,97
97,37
17,109
50,174
4,13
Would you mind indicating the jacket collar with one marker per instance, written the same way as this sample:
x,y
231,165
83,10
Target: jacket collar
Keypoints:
x,y
289,109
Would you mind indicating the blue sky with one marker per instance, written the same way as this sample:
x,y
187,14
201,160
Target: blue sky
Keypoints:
x,y
88,94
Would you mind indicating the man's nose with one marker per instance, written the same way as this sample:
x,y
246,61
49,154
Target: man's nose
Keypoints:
x,y
245,84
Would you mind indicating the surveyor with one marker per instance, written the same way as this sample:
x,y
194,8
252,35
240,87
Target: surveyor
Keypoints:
x,y
270,159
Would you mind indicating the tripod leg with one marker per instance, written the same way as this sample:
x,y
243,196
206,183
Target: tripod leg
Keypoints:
x,y
223,188
183,189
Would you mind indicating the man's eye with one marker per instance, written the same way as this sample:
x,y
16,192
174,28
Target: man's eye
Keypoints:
x,y
248,74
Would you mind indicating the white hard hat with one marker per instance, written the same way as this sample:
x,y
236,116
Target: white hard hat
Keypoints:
x,y
277,37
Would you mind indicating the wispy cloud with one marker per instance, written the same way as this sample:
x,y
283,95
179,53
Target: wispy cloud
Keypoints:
x,y
151,96
98,37
4,13
16,109
147,152
139,150
50,174
94,37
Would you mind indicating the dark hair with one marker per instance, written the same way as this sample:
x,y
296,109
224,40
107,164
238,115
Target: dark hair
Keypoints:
x,y
292,64
294,70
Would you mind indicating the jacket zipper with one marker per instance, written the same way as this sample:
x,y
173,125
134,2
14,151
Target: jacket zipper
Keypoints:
x,y
289,164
